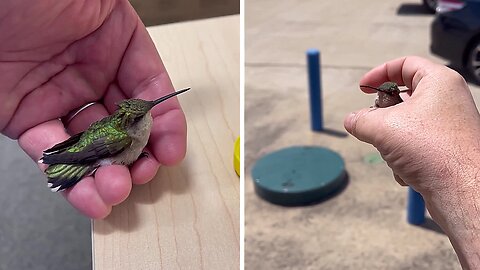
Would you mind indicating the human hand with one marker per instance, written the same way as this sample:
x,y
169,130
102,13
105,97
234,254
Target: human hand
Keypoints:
x,y
431,142
64,54
429,135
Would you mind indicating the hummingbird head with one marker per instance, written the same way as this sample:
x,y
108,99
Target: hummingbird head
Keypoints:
x,y
386,87
134,109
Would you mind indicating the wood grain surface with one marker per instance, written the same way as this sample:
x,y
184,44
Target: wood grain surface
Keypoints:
x,y
188,216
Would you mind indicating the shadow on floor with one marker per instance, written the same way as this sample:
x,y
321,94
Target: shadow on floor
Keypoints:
x,y
431,225
333,132
412,9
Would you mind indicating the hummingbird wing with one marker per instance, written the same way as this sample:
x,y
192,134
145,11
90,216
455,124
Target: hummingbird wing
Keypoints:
x,y
88,147
63,176
64,145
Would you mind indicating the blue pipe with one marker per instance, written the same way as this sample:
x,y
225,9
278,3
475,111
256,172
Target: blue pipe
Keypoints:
x,y
415,207
314,83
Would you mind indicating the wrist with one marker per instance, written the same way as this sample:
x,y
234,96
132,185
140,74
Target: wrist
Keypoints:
x,y
456,209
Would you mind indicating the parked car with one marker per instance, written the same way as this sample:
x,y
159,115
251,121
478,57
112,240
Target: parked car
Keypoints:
x,y
455,34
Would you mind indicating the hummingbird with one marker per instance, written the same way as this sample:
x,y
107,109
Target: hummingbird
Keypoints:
x,y
388,94
116,139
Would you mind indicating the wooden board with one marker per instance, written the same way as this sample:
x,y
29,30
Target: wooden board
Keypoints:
x,y
188,217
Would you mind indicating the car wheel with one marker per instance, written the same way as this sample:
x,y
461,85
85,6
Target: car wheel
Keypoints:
x,y
473,61
431,5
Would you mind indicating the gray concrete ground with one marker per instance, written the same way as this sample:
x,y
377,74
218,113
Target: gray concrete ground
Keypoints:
x,y
363,227
38,229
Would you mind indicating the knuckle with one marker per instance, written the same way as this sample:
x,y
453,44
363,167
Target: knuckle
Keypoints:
x,y
454,76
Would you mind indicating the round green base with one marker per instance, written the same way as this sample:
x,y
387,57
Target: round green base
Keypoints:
x,y
298,175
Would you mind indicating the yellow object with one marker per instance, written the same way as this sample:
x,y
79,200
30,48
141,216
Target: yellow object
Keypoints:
x,y
236,156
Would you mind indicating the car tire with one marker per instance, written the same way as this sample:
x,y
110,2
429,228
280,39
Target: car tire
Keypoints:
x,y
431,5
472,63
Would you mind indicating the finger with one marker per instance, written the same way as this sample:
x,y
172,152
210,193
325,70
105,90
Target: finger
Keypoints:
x,y
41,137
403,71
113,183
55,102
141,65
112,97
86,117
169,130
399,180
389,71
85,198
143,75
368,90
365,124
168,138
144,169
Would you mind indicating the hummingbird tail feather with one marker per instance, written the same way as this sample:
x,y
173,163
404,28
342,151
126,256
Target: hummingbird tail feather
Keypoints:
x,y
63,176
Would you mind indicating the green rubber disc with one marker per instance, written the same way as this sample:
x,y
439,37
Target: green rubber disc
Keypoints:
x,y
298,175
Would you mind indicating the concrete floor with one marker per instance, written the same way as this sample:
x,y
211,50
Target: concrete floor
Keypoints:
x,y
39,229
363,227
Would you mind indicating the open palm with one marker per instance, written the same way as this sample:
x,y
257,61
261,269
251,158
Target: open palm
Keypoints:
x,y
56,56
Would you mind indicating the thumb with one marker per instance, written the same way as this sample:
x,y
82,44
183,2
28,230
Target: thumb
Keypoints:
x,y
366,124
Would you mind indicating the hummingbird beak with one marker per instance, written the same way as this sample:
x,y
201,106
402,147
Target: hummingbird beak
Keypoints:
x,y
371,87
155,102
381,90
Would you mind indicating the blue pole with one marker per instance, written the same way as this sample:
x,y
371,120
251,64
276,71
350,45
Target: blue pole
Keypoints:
x,y
314,83
415,207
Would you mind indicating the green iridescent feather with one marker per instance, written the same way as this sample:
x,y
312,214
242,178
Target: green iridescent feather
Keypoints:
x,y
78,157
103,139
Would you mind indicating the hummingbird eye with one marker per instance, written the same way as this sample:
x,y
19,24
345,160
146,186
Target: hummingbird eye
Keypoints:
x,y
137,118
